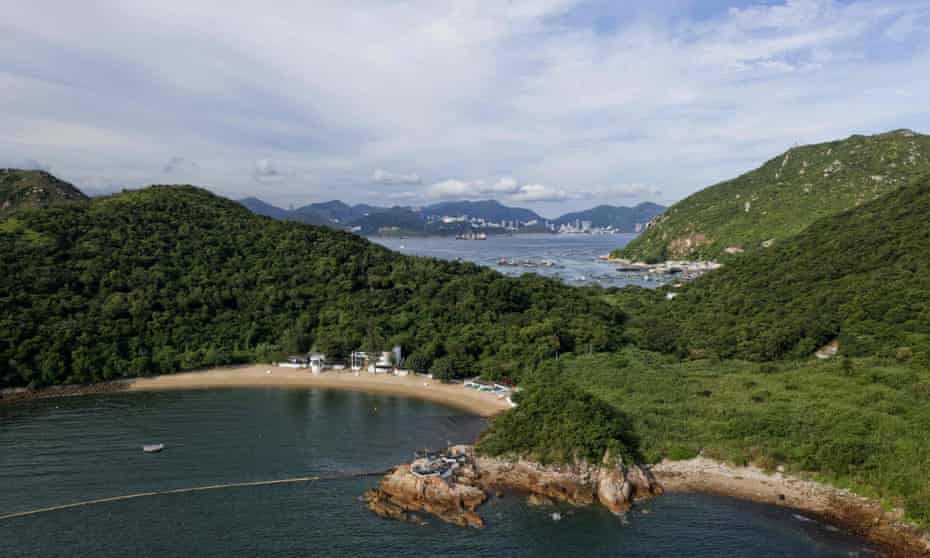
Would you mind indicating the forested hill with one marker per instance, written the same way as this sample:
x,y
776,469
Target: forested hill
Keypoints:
x,y
785,195
489,210
25,188
173,277
861,276
624,219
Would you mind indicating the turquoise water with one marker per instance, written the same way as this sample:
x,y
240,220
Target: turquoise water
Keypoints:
x,y
67,450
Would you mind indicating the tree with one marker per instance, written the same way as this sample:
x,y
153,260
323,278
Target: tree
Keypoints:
x,y
418,362
444,369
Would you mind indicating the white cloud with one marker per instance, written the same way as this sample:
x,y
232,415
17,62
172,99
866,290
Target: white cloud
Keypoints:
x,y
451,88
394,178
506,187
539,193
454,188
266,171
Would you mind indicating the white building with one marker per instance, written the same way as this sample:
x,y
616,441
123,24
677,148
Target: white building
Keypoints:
x,y
317,362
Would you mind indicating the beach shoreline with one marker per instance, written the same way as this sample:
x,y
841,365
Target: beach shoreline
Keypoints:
x,y
485,404
865,517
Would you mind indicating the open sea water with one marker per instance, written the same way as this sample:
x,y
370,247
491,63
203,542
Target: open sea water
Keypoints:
x,y
74,449
574,255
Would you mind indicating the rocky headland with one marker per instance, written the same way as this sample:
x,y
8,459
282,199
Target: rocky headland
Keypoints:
x,y
455,495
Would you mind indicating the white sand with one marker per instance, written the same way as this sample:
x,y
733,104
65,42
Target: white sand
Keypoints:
x,y
455,395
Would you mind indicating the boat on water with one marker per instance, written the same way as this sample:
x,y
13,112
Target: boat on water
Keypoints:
x,y
153,448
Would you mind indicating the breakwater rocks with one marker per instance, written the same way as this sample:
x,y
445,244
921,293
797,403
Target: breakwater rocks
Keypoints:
x,y
452,484
13,395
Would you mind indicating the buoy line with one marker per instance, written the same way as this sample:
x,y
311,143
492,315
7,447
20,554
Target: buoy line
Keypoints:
x,y
186,490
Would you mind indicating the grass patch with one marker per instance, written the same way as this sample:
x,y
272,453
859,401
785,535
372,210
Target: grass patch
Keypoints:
x,y
867,428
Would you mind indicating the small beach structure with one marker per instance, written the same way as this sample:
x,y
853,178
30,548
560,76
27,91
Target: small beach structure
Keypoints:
x,y
482,385
383,362
357,360
294,361
316,361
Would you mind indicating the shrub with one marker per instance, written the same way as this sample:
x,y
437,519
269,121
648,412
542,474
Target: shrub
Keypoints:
x,y
558,422
418,362
443,369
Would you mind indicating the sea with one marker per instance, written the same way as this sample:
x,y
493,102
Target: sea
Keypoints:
x,y
572,258
77,449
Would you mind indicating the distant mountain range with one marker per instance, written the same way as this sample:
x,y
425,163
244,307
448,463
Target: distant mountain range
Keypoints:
x,y
332,213
452,217
489,210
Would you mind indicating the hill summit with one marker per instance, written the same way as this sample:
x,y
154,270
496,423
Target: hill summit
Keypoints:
x,y
858,278
782,197
33,188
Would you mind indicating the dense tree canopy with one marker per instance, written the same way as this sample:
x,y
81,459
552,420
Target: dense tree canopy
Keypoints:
x,y
861,277
170,278
556,421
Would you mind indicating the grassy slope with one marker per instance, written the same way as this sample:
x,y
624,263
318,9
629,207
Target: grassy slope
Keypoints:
x,y
862,275
861,425
30,189
170,278
784,196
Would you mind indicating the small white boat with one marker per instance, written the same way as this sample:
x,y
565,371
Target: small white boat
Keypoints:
x,y
153,448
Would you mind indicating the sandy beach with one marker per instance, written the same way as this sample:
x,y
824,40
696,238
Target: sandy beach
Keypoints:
x,y
455,395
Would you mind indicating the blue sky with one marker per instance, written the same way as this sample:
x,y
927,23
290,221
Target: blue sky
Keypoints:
x,y
550,104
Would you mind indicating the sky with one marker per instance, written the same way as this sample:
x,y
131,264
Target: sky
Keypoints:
x,y
555,105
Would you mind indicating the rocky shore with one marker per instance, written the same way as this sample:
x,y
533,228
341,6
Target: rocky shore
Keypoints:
x,y
403,495
861,516
12,395
455,498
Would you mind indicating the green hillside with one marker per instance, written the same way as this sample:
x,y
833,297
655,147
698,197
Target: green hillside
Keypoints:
x,y
23,188
861,276
859,424
783,196
172,277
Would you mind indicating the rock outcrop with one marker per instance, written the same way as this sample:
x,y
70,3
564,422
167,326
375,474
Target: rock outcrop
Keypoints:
x,y
401,494
455,498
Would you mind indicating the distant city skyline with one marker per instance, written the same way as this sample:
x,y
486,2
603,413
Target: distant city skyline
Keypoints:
x,y
553,105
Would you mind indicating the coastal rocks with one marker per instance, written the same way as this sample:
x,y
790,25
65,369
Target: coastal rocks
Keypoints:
x,y
539,500
571,485
618,487
401,492
612,484
860,516
10,395
454,498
